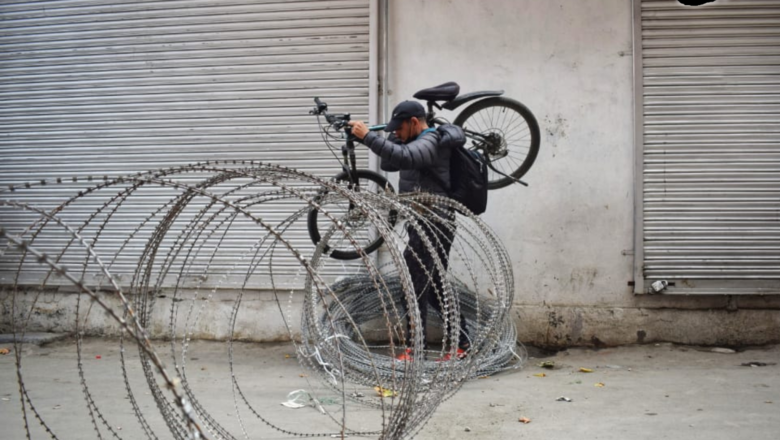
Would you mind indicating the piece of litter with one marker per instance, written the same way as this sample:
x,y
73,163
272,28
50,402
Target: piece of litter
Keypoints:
x,y
384,392
540,375
467,429
563,399
548,364
303,375
5,399
722,350
768,401
328,401
287,356
585,370
319,407
525,420
98,357
599,385
338,436
357,395
4,351
297,399
293,405
757,364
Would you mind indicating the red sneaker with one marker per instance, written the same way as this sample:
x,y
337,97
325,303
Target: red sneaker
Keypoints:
x,y
406,356
460,354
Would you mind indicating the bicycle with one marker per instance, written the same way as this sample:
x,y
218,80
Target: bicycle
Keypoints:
x,y
498,120
503,129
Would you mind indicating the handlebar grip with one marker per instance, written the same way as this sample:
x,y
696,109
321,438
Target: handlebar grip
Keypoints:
x,y
318,102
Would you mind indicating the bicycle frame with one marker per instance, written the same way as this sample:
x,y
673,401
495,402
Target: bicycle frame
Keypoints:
x,y
350,159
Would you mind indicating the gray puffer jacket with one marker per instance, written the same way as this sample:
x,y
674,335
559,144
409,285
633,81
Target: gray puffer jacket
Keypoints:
x,y
424,162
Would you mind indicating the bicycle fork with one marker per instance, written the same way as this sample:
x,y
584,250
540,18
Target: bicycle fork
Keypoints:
x,y
350,167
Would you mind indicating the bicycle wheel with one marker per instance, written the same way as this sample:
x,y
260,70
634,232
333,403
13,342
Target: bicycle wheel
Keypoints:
x,y
355,223
510,137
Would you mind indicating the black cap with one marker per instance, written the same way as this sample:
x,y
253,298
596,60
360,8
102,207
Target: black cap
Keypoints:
x,y
404,111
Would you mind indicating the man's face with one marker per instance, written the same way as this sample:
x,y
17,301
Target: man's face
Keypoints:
x,y
405,131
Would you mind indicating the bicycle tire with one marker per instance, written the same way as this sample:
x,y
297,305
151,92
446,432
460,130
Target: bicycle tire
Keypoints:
x,y
489,116
350,252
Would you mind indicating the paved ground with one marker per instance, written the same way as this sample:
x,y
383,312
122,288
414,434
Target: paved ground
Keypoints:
x,y
649,392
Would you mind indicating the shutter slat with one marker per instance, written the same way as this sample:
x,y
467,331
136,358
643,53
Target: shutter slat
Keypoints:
x,y
109,87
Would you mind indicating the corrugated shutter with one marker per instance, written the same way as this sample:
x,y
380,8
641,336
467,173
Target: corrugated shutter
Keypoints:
x,y
94,88
708,82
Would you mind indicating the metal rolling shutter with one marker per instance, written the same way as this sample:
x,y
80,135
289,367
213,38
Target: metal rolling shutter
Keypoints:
x,y
109,87
708,107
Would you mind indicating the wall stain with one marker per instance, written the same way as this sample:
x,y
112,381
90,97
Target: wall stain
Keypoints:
x,y
582,278
555,129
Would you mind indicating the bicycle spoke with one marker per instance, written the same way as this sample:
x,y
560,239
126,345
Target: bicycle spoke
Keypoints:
x,y
517,158
504,115
493,117
480,127
511,133
521,121
516,148
338,244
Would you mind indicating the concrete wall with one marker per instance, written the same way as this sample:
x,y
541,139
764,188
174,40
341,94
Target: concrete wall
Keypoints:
x,y
198,315
570,233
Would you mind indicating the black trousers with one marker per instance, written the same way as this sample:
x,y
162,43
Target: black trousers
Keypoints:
x,y
426,277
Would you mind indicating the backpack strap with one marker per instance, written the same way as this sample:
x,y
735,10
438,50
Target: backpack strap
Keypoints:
x,y
427,130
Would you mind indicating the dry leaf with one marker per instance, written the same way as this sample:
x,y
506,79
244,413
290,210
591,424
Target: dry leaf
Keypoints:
x,y
540,375
287,356
599,384
585,370
384,392
4,351
303,375
525,420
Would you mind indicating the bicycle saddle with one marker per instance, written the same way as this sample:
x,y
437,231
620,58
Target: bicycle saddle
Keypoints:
x,y
443,92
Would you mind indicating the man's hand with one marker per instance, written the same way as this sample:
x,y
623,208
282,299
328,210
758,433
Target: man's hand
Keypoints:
x,y
359,129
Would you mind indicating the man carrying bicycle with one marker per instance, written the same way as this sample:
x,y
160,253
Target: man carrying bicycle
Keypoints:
x,y
422,155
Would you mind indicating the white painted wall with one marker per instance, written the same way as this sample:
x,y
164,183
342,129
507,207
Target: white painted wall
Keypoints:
x,y
570,233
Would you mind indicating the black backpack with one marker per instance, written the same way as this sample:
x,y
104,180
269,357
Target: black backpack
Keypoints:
x,y
468,170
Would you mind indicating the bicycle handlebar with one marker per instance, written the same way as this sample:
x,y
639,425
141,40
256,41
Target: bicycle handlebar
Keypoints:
x,y
338,120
